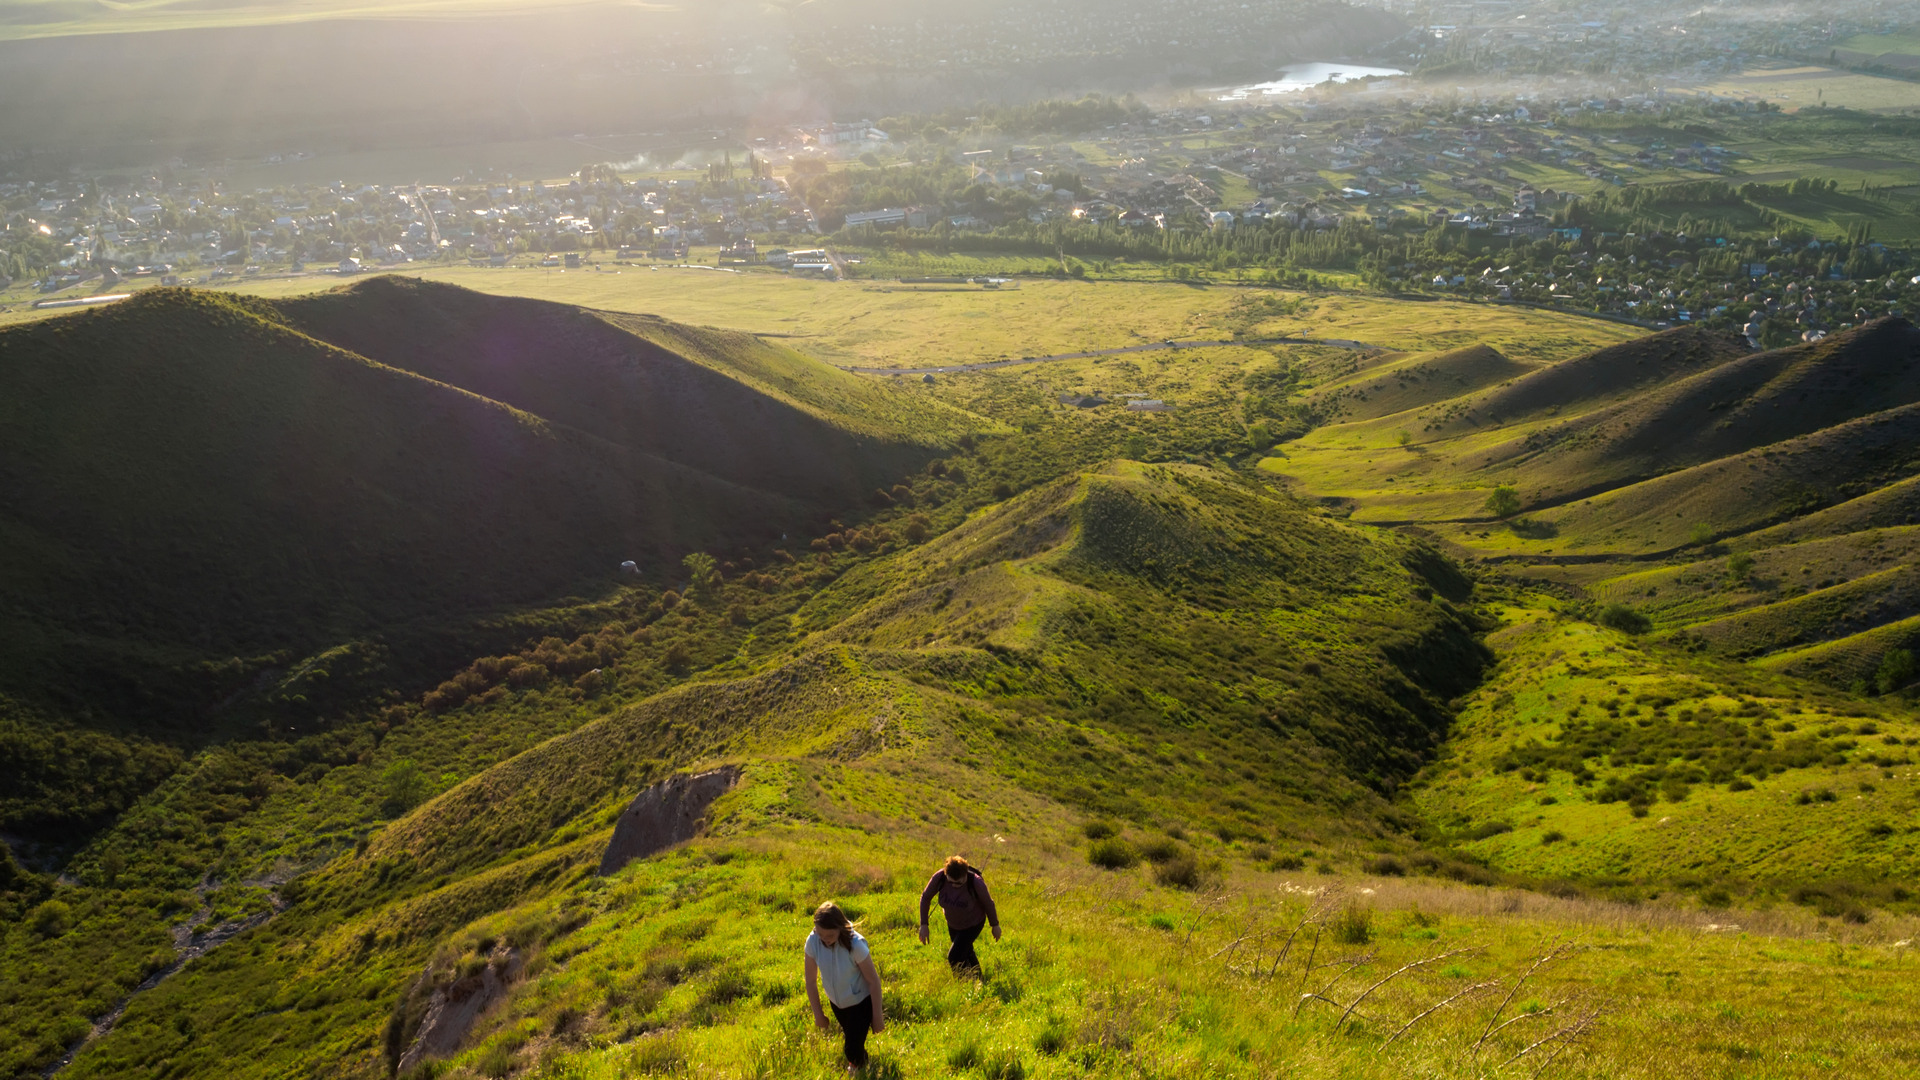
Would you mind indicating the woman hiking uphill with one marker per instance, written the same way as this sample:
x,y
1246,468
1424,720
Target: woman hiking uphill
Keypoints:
x,y
969,907
838,957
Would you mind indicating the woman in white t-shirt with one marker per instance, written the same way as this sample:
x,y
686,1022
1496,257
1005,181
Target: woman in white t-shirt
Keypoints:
x,y
838,957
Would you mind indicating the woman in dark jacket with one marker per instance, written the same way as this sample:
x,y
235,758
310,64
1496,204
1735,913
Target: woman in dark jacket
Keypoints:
x,y
969,907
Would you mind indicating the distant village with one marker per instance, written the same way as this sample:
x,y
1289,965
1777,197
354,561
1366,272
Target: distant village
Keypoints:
x,y
1389,156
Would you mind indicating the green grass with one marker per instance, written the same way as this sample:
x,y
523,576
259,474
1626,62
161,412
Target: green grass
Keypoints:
x,y
1062,692
1584,725
1064,617
1906,44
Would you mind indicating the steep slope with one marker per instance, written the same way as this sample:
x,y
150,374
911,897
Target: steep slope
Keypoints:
x,y
1584,382
1736,406
1746,491
195,494
724,403
1896,504
1399,383
1655,450
209,478
1167,647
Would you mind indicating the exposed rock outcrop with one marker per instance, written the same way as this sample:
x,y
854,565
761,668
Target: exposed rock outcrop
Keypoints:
x,y
452,1009
668,813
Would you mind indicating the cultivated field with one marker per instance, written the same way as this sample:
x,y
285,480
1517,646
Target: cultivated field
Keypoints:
x,y
886,324
1809,86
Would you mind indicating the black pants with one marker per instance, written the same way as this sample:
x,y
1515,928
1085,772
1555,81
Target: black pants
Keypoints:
x,y
961,956
855,1020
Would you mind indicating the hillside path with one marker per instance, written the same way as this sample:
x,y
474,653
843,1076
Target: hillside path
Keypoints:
x,y
1156,346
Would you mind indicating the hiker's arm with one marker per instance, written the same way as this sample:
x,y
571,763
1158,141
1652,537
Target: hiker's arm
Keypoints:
x,y
926,901
813,993
873,986
993,912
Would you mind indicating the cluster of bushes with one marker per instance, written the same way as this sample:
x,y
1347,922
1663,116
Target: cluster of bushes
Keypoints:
x,y
1174,864
1675,750
489,678
864,541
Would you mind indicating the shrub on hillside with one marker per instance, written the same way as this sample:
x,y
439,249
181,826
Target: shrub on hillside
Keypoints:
x,y
1160,849
1896,670
1099,830
1624,619
51,919
1112,853
1354,925
1386,866
403,786
1739,568
1179,873
1504,502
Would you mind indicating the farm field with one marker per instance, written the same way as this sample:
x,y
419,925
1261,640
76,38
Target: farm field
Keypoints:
x,y
1799,88
1872,48
863,323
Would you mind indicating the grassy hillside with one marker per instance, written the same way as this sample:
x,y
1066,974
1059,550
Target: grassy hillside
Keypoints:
x,y
1396,384
726,404
1230,756
1627,466
1070,686
1598,759
216,521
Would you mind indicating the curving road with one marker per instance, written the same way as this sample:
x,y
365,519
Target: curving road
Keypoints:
x,y
1157,346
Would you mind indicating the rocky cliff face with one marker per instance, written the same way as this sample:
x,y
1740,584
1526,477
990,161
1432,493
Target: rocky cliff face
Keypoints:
x,y
668,813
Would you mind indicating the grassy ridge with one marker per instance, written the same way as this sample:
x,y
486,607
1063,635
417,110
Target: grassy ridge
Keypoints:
x,y
218,522
793,425
1072,712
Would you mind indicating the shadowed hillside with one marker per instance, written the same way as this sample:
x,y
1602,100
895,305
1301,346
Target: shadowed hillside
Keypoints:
x,y
1739,405
1605,375
721,402
1212,743
198,493
1141,644
1400,383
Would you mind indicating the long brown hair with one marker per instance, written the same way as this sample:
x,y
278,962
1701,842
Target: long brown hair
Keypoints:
x,y
828,916
958,868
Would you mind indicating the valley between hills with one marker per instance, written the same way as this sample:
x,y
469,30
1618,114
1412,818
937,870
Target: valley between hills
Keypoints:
x,y
1517,695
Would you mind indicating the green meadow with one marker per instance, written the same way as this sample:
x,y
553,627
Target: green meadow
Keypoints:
x,y
1283,750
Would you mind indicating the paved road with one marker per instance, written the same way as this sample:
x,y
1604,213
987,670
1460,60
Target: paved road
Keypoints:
x,y
1158,346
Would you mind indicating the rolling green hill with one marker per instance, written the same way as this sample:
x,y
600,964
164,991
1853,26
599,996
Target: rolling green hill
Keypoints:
x,y
1740,405
1168,646
726,404
1262,788
200,493
1399,383
1716,506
